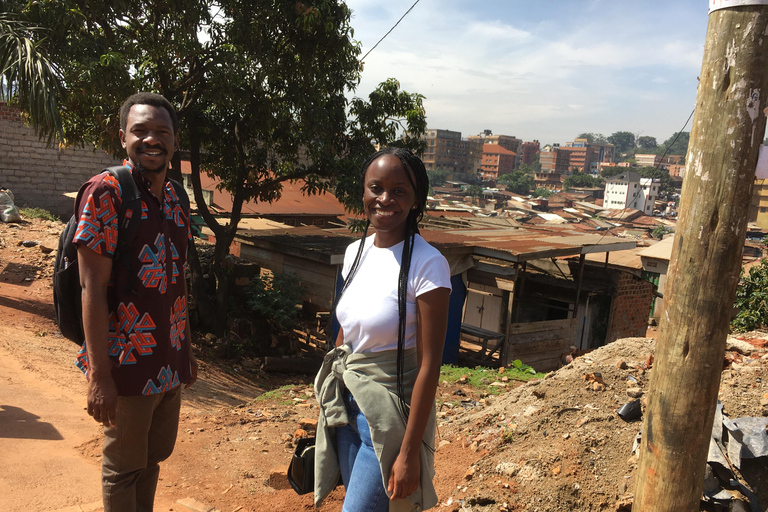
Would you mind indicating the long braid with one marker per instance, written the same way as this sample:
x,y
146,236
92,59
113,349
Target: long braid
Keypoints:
x,y
410,164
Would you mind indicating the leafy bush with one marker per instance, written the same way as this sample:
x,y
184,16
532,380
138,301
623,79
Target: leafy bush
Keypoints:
x,y
659,232
273,299
37,213
752,299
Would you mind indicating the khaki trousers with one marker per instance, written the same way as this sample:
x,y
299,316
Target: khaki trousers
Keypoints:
x,y
144,436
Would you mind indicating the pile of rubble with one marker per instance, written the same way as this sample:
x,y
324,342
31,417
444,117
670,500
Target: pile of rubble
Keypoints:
x,y
561,444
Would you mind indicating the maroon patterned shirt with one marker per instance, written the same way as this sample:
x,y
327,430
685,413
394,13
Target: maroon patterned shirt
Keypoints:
x,y
147,305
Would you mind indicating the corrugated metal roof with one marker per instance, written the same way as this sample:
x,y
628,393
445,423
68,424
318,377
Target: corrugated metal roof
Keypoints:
x,y
661,250
292,200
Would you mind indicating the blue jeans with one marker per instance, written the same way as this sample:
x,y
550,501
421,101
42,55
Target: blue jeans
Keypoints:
x,y
360,470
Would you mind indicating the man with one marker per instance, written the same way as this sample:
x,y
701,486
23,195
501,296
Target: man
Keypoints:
x,y
137,349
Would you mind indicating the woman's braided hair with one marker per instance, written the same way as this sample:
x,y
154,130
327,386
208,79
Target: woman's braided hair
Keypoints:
x,y
417,176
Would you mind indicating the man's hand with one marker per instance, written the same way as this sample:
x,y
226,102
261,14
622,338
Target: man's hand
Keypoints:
x,y
102,400
404,477
192,369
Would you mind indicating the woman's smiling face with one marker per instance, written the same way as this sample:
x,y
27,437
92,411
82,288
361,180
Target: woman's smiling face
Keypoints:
x,y
388,198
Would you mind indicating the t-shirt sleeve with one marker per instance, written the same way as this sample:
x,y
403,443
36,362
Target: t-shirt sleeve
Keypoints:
x,y
434,272
97,214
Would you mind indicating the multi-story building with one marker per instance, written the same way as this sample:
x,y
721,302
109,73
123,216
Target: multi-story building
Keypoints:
x,y
447,151
554,160
642,160
497,161
506,141
587,156
758,209
629,190
528,153
548,180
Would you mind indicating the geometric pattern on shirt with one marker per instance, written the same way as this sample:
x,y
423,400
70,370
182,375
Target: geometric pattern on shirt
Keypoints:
x,y
152,273
97,226
178,322
174,257
130,335
166,381
172,209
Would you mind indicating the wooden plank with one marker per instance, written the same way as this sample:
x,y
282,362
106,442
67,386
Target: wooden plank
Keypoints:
x,y
520,328
540,346
533,337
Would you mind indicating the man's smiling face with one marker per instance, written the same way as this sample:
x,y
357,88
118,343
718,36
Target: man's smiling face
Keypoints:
x,y
149,138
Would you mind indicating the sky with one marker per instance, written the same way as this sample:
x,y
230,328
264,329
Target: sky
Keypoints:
x,y
546,70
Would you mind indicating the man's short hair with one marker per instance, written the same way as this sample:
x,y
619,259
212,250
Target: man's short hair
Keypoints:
x,y
147,98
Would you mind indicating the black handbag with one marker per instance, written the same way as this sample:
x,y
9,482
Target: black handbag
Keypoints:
x,y
301,471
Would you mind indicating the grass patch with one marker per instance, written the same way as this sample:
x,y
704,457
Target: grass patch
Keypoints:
x,y
481,377
284,395
280,393
38,213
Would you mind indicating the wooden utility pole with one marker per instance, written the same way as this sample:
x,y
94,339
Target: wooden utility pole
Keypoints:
x,y
728,128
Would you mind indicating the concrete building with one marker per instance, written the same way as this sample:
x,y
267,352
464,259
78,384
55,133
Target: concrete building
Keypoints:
x,y
554,160
528,152
447,151
588,156
758,209
647,160
629,190
508,142
497,161
548,180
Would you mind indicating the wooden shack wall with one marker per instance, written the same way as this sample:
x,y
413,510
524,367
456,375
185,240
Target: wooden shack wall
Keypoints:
x,y
540,344
319,279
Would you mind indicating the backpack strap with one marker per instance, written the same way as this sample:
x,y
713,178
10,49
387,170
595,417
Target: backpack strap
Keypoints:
x,y
181,193
127,227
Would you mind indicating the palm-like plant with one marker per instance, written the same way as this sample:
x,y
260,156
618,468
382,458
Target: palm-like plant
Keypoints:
x,y
28,77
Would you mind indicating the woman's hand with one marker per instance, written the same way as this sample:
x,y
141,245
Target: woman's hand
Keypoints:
x,y
404,477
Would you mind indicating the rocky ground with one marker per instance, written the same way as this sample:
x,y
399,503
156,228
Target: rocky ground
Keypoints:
x,y
549,445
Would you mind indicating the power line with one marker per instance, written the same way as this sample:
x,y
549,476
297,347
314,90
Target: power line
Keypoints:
x,y
390,30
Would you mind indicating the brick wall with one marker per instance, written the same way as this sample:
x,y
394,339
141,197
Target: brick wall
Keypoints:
x,y
40,176
631,308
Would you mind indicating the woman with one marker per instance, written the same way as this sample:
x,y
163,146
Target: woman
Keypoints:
x,y
376,389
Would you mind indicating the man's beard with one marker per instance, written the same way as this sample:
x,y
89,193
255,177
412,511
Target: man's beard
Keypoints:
x,y
146,170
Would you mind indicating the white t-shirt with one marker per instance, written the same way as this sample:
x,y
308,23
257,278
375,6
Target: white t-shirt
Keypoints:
x,y
367,311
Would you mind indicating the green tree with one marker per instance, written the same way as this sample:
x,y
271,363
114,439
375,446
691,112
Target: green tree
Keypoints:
x,y
475,191
752,299
610,172
519,182
581,179
677,144
437,177
659,231
666,183
624,141
543,192
27,76
647,142
259,87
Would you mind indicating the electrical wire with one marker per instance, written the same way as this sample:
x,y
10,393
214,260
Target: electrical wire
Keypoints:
x,y
390,30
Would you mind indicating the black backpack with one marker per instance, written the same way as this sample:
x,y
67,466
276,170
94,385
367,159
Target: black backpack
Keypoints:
x,y
66,278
